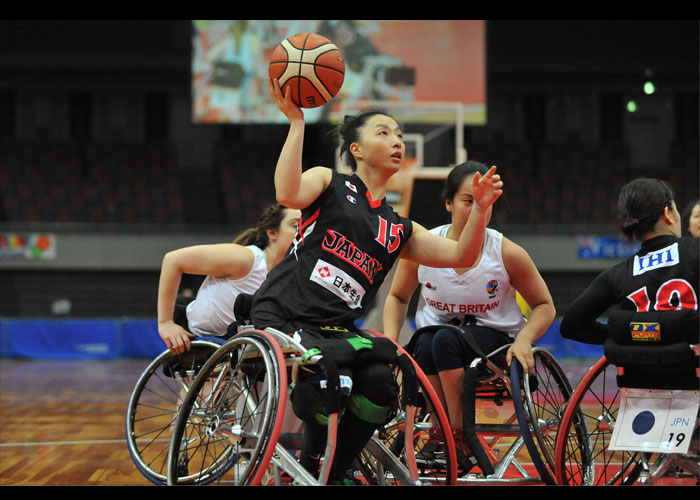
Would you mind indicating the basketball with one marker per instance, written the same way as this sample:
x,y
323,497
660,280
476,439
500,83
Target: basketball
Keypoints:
x,y
311,65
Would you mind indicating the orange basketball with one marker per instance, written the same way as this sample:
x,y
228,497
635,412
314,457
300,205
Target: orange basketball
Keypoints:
x,y
311,65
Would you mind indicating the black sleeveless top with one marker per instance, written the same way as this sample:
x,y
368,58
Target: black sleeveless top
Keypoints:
x,y
345,245
662,275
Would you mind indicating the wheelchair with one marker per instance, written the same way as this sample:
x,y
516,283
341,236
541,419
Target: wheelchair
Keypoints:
x,y
158,393
155,401
613,430
220,414
510,416
235,426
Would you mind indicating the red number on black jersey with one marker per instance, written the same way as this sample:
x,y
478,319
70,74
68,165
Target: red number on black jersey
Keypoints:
x,y
673,295
390,239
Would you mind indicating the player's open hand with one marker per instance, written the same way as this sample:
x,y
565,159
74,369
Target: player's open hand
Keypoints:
x,y
284,100
487,188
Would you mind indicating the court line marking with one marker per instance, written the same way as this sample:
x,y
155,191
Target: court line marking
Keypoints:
x,y
61,443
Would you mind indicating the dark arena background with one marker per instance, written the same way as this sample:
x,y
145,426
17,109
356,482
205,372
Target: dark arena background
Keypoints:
x,y
122,140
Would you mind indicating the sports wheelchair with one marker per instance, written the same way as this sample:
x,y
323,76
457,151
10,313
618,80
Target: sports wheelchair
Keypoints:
x,y
155,401
157,396
509,416
633,418
220,414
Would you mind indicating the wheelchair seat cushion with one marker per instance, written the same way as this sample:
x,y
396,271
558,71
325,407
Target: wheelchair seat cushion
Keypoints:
x,y
242,306
653,348
672,367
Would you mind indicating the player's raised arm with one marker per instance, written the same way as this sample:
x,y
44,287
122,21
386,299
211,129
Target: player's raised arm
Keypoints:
x,y
293,188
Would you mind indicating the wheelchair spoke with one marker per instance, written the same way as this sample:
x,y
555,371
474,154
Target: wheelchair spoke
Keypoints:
x,y
226,415
154,404
587,459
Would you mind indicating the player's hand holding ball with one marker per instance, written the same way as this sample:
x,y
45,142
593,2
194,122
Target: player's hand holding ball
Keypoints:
x,y
306,70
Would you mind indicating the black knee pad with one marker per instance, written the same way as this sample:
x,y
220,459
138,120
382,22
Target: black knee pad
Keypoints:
x,y
376,382
309,395
375,397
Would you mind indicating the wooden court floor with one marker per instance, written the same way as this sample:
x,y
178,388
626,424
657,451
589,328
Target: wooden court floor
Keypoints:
x,y
62,422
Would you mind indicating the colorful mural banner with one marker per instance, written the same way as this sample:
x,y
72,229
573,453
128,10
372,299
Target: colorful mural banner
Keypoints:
x,y
27,245
409,61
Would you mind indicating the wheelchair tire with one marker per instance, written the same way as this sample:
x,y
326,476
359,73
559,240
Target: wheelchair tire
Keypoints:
x,y
540,408
383,462
229,421
582,456
154,403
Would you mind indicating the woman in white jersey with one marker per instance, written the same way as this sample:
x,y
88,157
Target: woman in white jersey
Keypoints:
x,y
230,269
481,298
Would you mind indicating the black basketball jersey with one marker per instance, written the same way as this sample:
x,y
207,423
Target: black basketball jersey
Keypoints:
x,y
345,245
663,275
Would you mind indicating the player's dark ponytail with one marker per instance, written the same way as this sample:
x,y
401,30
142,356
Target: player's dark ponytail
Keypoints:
x,y
641,203
271,218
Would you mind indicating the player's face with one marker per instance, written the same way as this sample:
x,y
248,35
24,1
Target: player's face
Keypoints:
x,y
461,205
380,143
288,227
694,221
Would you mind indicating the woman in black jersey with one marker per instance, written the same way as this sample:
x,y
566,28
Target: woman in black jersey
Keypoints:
x,y
662,275
347,241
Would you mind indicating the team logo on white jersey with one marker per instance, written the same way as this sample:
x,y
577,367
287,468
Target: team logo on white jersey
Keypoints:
x,y
657,259
492,288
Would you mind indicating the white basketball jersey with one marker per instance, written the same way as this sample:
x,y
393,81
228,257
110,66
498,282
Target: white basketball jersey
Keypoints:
x,y
483,295
212,310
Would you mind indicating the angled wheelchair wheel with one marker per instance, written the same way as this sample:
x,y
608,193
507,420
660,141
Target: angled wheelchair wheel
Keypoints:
x,y
231,417
582,454
539,410
432,457
154,404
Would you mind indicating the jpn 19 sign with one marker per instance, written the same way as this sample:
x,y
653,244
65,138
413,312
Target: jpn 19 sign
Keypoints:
x,y
655,420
